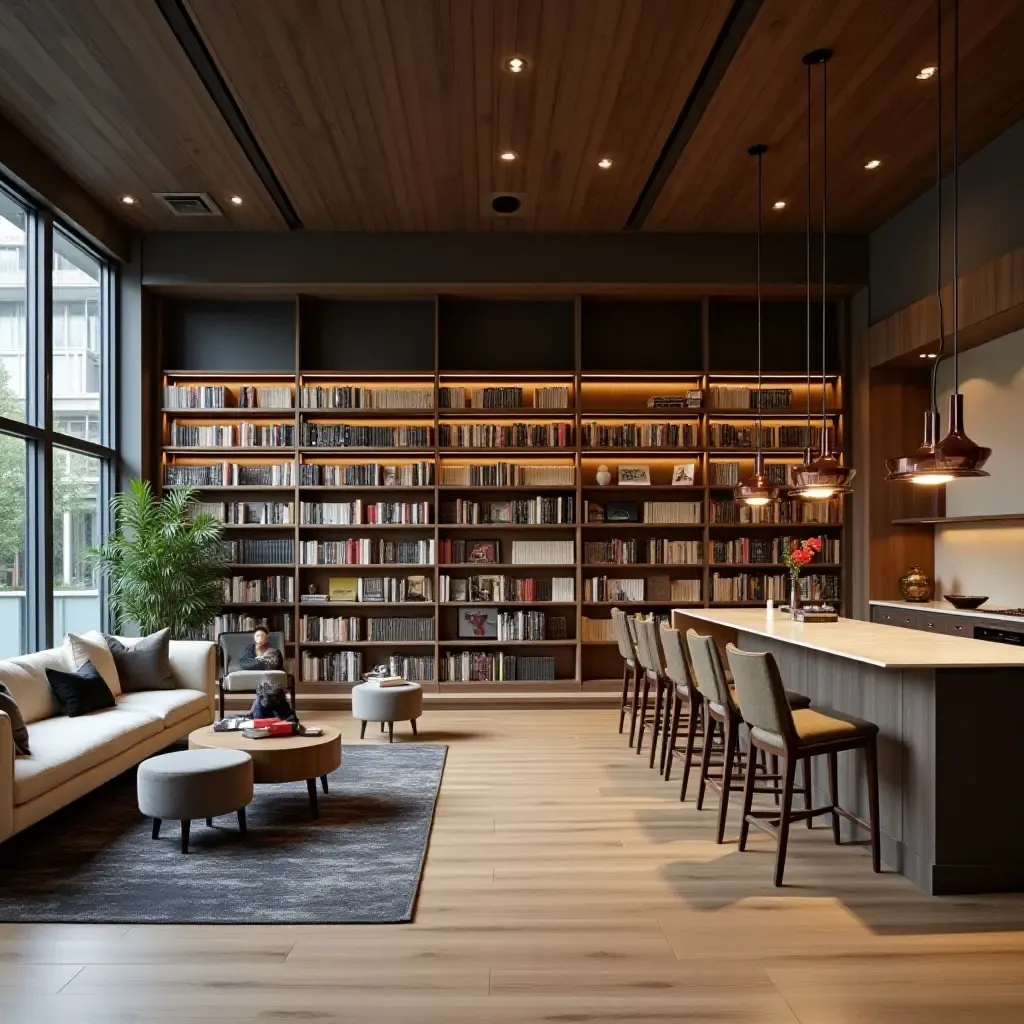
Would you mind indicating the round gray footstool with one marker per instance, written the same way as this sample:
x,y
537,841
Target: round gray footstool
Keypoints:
x,y
390,704
195,784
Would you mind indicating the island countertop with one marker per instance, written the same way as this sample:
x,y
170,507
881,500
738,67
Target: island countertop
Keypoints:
x,y
867,642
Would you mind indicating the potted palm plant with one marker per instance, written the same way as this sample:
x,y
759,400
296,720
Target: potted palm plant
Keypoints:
x,y
165,564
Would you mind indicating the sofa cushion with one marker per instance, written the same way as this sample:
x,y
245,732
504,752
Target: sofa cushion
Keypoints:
x,y
65,747
172,706
92,646
19,730
81,692
26,678
145,664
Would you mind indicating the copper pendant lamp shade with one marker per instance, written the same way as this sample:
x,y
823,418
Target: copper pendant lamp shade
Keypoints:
x,y
921,467
956,454
757,490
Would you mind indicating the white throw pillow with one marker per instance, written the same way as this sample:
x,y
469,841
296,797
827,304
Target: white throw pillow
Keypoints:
x,y
93,647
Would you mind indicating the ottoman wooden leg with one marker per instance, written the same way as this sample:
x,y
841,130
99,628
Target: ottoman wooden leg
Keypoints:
x,y
241,820
381,726
323,783
314,807
362,730
412,722
156,828
391,732
185,826
209,822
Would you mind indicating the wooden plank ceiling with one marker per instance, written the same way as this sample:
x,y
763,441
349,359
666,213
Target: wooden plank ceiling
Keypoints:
x,y
105,89
877,109
386,116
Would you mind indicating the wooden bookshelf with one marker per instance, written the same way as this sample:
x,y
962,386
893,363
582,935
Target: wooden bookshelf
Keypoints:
x,y
330,347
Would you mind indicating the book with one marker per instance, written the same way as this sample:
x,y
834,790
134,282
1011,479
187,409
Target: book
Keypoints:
x,y
343,588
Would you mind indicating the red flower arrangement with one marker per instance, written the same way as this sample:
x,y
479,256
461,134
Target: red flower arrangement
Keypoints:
x,y
801,554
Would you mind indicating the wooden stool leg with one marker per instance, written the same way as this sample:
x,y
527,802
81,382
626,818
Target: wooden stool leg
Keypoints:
x,y
833,792
807,789
391,732
705,757
209,822
362,730
666,724
635,707
748,797
871,756
185,826
314,806
691,738
673,734
775,771
730,729
656,723
786,808
381,726
156,828
323,784
643,712
241,820
412,722
625,693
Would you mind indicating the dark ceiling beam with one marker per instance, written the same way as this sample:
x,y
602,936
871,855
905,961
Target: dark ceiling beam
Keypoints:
x,y
181,24
737,23
31,170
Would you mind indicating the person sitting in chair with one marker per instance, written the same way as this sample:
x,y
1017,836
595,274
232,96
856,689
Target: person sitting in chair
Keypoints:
x,y
259,655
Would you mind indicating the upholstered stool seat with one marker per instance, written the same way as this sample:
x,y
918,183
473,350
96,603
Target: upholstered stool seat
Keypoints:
x,y
189,784
387,704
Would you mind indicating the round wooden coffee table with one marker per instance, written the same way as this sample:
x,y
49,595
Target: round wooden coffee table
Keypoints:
x,y
281,758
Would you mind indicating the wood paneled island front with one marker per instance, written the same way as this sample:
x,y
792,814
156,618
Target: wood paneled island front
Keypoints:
x,y
951,744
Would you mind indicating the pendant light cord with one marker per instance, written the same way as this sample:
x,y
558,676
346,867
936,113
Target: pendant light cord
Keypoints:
x,y
938,211
824,446
956,197
808,445
760,226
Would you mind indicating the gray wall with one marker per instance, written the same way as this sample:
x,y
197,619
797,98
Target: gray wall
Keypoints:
x,y
902,251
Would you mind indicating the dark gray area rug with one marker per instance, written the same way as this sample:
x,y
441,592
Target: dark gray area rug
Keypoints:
x,y
360,862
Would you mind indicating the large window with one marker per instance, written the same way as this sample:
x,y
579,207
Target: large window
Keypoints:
x,y
56,463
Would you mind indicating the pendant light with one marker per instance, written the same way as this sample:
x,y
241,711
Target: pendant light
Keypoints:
x,y
757,489
956,454
825,476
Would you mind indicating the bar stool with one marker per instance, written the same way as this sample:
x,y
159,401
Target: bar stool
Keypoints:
x,y
677,670
666,689
627,650
651,666
799,735
720,705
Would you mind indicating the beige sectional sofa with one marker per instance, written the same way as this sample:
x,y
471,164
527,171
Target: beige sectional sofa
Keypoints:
x,y
71,756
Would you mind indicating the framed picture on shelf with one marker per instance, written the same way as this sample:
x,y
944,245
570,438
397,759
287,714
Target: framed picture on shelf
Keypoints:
x,y
416,588
373,588
482,552
343,588
634,476
390,476
684,474
478,624
458,590
484,588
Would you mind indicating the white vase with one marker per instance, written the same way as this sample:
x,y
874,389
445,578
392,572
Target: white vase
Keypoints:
x,y
604,478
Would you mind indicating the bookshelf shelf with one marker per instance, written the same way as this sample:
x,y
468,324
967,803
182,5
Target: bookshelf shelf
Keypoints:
x,y
399,346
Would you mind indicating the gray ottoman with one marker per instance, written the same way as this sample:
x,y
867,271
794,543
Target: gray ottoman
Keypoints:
x,y
373,703
195,784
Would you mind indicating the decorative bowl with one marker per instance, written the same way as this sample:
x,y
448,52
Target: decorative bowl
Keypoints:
x,y
965,601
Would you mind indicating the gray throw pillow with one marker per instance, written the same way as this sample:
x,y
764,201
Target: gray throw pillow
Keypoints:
x,y
145,665
10,706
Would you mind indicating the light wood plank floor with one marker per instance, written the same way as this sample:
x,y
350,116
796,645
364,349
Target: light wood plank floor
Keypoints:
x,y
564,883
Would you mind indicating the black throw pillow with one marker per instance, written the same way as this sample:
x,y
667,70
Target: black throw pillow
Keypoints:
x,y
146,665
80,692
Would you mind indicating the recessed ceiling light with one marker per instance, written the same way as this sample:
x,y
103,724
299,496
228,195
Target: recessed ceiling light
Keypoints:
x,y
925,73
604,163
515,65
128,200
872,164
237,200
508,156
779,204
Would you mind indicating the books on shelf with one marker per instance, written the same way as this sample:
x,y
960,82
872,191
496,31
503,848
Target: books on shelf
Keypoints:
x,y
685,590
369,474
493,666
231,435
520,511
325,629
365,513
731,435
527,624
455,397
238,589
769,550
724,474
507,474
604,588
543,552
597,629
230,474
349,629
265,397
332,666
349,435
506,435
654,550
248,513
350,397
791,511
413,668
747,586
640,435
244,622
499,589
268,551
687,512
731,397
367,551
197,396
376,589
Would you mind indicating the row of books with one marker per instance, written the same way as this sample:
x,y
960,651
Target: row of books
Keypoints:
x,y
790,511
265,551
413,668
502,398
231,435
727,474
769,550
498,589
604,588
359,513
367,551
275,589
506,435
520,511
654,550
543,552
350,629
747,586
729,435
368,474
249,513
508,474
721,397
230,474
493,666
371,589
350,397
672,512
593,630
244,622
332,667
640,435
348,435
526,624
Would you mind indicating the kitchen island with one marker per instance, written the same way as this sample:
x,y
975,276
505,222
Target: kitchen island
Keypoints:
x,y
950,712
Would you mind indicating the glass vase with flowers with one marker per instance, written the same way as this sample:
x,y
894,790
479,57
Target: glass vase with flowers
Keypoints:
x,y
799,555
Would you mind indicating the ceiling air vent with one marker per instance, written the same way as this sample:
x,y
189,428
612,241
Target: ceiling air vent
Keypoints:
x,y
188,204
506,204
